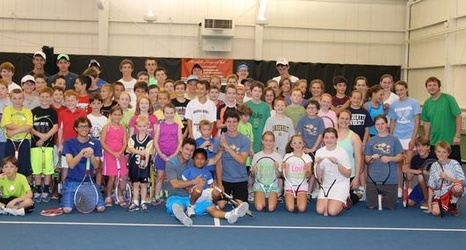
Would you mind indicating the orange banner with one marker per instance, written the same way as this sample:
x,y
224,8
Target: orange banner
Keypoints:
x,y
211,67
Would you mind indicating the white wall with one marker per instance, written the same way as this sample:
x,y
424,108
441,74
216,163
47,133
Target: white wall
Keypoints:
x,y
328,31
437,47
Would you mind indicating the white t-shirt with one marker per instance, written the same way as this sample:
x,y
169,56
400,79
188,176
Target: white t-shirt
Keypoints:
x,y
129,85
98,122
196,111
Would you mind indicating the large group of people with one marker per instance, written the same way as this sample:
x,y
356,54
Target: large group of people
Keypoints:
x,y
207,140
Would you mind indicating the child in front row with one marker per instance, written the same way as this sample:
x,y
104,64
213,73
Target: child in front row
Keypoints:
x,y
446,182
168,138
140,146
16,196
206,141
203,193
114,139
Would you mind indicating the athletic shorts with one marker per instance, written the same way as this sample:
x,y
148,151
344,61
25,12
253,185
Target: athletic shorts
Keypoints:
x,y
159,163
446,197
68,190
257,187
389,194
200,208
24,153
206,196
302,189
239,190
416,195
37,158
405,143
7,200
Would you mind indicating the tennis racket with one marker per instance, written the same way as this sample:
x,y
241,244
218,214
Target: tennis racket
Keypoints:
x,y
328,122
266,174
86,196
231,199
18,118
295,173
378,173
326,173
437,188
123,192
52,212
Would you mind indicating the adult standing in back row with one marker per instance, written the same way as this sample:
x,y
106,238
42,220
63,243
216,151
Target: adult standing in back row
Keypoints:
x,y
441,117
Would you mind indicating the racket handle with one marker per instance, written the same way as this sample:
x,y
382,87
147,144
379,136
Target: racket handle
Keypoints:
x,y
88,164
379,200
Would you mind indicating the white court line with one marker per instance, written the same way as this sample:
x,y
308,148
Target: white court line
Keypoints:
x,y
236,226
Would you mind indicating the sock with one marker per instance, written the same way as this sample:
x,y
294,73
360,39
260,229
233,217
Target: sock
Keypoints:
x,y
46,188
38,189
136,202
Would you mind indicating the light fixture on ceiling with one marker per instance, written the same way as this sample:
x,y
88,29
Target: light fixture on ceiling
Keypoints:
x,y
150,16
261,19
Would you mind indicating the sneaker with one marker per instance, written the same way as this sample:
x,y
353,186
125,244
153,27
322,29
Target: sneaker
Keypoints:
x,y
251,198
362,190
144,208
2,210
424,206
241,210
309,198
108,202
15,212
45,197
190,211
231,217
281,199
37,197
454,209
348,204
178,211
55,196
133,207
157,201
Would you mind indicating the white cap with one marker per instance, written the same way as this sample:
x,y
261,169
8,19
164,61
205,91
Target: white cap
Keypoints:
x,y
282,61
28,78
41,54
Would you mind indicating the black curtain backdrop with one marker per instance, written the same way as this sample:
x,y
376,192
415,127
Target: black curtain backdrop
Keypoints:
x,y
258,70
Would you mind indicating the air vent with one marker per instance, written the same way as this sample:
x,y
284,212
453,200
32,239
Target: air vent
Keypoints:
x,y
225,24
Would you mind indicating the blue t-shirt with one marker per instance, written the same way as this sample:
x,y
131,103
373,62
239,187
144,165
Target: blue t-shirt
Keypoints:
x,y
192,172
73,146
384,146
374,112
310,128
404,114
232,170
174,171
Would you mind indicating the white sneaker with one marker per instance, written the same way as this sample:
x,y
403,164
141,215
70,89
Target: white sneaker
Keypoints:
x,y
231,216
241,210
15,212
190,211
178,211
2,210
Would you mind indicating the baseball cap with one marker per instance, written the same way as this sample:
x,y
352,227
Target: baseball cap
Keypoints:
x,y
63,56
41,54
250,80
28,78
282,61
192,78
94,62
242,66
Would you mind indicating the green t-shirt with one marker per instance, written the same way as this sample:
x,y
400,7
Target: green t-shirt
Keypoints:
x,y
14,188
246,129
295,112
260,114
441,114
